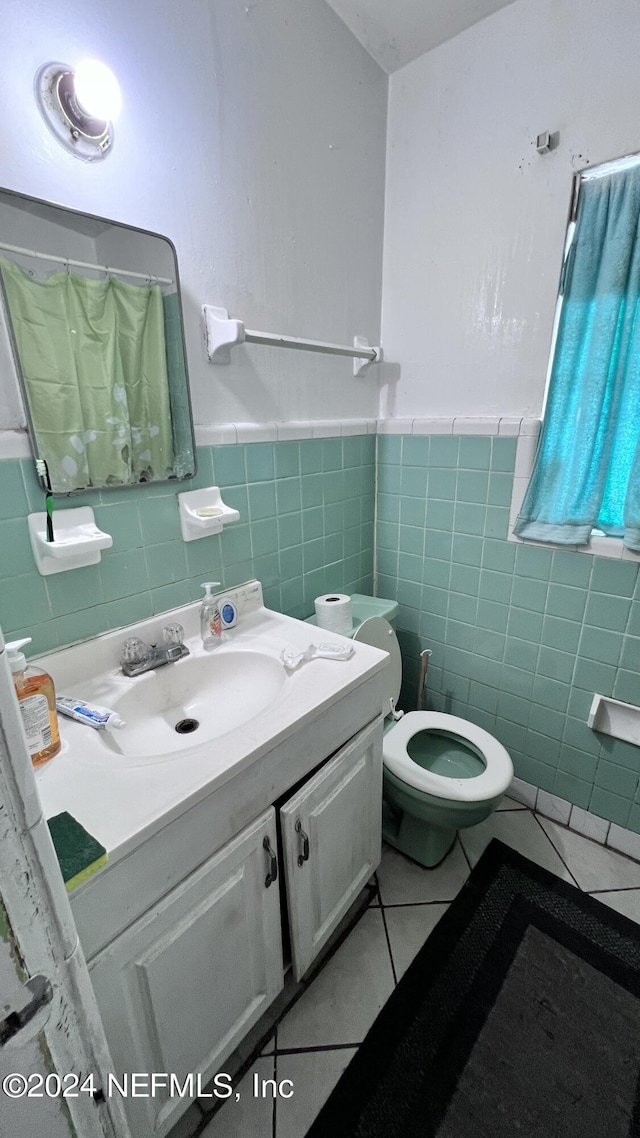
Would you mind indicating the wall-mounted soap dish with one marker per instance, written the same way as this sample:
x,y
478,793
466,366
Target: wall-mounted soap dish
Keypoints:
x,y
613,717
202,512
78,541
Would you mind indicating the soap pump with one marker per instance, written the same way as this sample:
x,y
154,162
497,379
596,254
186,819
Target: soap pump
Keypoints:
x,y
37,700
210,618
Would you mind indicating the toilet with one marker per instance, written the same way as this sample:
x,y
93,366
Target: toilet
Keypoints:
x,y
440,773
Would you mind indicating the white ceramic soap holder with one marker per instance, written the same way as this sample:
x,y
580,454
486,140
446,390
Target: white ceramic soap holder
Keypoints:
x,y
613,717
202,512
77,540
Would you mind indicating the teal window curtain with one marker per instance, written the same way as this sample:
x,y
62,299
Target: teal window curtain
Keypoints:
x,y
94,365
587,469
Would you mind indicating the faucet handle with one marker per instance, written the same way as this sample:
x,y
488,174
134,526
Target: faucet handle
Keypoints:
x,y
173,634
135,651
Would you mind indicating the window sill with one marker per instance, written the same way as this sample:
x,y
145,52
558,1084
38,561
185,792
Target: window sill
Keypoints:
x,y
599,545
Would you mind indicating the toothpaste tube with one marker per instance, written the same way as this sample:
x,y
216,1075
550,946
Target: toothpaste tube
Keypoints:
x,y
102,718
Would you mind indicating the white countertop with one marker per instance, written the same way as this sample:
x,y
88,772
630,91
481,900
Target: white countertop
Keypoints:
x,y
122,802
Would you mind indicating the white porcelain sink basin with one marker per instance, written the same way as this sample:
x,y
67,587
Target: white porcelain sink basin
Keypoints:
x,y
180,706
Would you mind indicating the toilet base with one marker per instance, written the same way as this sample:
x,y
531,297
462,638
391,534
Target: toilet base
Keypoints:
x,y
422,826
424,843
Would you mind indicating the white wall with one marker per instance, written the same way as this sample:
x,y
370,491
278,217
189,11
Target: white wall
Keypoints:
x,y
475,218
252,135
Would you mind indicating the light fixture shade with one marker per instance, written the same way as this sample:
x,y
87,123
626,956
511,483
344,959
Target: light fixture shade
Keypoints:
x,y
97,90
81,125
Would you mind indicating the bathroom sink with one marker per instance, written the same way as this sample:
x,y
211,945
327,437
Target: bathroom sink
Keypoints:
x,y
180,706
252,713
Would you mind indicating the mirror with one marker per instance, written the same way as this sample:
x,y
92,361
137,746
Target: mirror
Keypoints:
x,y
94,317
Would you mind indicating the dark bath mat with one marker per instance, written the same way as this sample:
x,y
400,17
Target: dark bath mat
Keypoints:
x,y
520,1016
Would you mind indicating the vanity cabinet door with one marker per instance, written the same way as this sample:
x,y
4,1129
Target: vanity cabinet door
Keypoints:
x,y
332,837
181,987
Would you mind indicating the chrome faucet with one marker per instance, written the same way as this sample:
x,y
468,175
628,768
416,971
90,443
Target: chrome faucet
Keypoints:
x,y
139,657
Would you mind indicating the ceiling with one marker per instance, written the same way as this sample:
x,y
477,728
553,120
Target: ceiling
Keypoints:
x,y
396,31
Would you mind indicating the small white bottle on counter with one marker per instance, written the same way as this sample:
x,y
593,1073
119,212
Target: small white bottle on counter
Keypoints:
x,y
210,618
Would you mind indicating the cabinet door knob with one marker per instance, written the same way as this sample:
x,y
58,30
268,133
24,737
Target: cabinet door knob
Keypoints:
x,y
304,856
273,863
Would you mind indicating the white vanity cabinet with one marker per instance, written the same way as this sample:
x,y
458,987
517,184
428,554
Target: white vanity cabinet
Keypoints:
x,y
331,841
181,987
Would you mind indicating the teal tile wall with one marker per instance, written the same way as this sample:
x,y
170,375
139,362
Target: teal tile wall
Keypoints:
x,y
521,636
306,527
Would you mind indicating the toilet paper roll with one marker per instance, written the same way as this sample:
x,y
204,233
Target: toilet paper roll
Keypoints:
x,y
333,612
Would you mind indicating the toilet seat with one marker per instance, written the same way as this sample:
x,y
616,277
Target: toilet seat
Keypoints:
x,y
498,771
492,781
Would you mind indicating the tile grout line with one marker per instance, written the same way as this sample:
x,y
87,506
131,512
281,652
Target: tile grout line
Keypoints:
x,y
615,889
554,847
320,1047
419,904
274,1110
386,932
464,852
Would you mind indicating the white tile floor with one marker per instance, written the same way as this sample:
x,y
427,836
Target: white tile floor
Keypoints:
x,y
316,1039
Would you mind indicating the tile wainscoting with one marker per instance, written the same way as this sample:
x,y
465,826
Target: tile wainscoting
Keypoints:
x,y
306,527
522,636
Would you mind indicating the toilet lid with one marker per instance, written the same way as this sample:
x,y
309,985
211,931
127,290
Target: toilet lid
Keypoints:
x,y
377,632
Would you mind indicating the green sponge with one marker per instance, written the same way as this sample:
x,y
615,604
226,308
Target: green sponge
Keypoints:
x,y
79,854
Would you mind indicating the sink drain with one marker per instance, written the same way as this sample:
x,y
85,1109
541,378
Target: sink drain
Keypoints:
x,y
186,726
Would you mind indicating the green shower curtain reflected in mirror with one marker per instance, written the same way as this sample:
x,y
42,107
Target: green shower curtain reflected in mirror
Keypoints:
x,y
94,365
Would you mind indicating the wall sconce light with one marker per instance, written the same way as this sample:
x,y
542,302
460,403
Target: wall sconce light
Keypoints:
x,y
78,106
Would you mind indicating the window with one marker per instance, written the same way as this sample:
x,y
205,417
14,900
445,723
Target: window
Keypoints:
x,y
586,474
